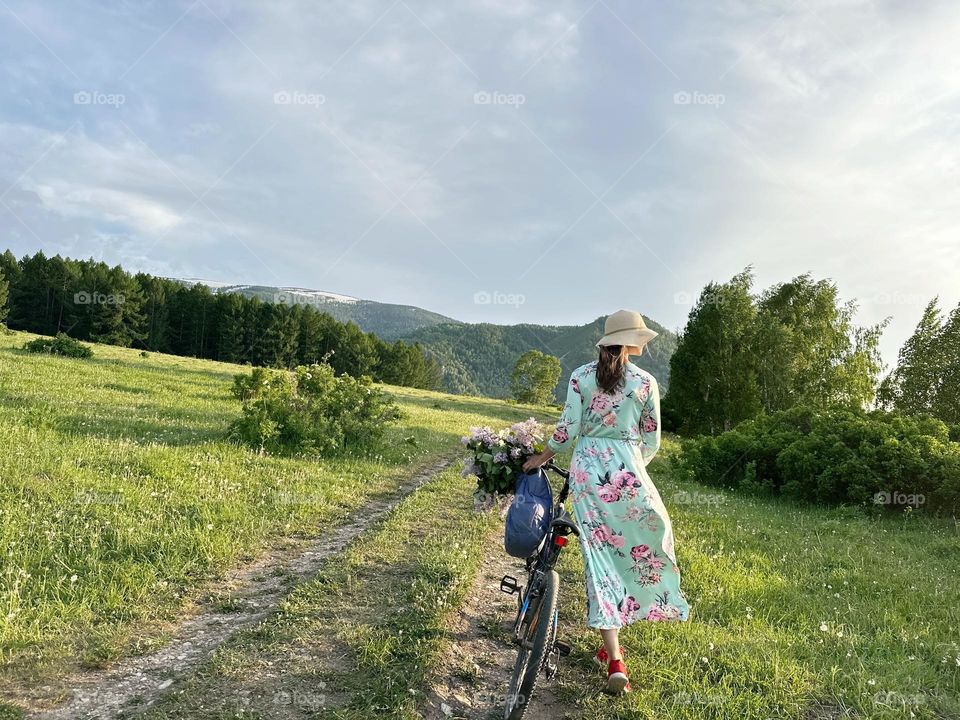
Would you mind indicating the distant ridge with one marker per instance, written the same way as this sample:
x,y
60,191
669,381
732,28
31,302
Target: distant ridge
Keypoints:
x,y
477,358
387,320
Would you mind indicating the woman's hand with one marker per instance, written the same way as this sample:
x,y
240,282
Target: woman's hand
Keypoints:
x,y
535,461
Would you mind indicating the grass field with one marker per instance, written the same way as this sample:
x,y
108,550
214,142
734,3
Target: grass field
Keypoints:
x,y
120,497
797,612
120,500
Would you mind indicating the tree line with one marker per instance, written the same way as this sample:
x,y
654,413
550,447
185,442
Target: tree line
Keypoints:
x,y
743,354
926,380
92,301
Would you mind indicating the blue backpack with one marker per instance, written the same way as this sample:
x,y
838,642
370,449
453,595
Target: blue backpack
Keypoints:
x,y
529,515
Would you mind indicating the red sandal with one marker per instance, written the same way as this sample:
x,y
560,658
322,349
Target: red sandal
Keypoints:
x,y
602,658
617,680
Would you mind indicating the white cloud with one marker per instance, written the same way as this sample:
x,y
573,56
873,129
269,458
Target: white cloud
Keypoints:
x,y
835,149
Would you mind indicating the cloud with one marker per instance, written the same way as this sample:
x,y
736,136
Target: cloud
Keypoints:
x,y
834,150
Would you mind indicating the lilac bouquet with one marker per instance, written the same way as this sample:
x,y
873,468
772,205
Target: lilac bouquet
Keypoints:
x,y
498,458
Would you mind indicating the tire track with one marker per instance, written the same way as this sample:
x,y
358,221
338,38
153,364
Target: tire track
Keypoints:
x,y
135,683
473,676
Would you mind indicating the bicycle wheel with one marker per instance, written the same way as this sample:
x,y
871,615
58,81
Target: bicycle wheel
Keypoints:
x,y
532,653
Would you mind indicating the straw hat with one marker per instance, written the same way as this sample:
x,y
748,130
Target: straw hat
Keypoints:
x,y
626,327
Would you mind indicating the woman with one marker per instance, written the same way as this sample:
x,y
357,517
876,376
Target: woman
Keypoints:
x,y
625,532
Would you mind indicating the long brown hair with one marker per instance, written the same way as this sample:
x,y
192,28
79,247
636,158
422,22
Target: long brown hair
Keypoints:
x,y
613,359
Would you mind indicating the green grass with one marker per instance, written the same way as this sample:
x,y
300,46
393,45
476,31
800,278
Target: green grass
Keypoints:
x,y
120,497
358,640
797,612
115,471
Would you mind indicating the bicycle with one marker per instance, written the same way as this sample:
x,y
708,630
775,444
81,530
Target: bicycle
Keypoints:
x,y
535,628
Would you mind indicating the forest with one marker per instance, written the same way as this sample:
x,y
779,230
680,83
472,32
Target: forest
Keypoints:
x,y
89,300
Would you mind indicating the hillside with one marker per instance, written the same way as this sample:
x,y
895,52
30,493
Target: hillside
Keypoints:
x,y
478,358
387,320
126,515
117,473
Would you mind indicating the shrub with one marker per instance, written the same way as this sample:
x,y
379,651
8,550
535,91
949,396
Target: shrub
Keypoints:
x,y
310,411
246,386
60,345
833,457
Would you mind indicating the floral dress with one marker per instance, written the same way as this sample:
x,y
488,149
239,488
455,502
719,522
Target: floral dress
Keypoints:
x,y
625,532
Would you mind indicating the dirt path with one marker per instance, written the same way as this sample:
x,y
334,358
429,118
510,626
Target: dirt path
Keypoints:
x,y
255,590
471,680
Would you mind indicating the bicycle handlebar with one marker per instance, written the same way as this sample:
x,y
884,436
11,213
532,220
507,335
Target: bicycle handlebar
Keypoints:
x,y
565,474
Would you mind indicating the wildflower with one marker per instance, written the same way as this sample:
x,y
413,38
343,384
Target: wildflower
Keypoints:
x,y
824,627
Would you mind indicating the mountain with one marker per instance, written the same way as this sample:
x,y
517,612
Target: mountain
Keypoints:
x,y
387,320
477,358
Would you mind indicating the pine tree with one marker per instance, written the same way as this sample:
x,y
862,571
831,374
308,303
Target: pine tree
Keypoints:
x,y
4,297
231,328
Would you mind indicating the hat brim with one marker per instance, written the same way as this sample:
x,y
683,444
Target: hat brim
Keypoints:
x,y
632,338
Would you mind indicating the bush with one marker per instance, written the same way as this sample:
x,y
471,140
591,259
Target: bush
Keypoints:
x,y
833,457
310,411
60,345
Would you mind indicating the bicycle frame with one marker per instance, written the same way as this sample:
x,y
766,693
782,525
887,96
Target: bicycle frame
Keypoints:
x,y
534,633
546,558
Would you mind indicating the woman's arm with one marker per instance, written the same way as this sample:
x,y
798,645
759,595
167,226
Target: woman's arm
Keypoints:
x,y
650,423
568,428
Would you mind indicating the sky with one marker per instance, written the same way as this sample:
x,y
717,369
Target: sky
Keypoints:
x,y
493,160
